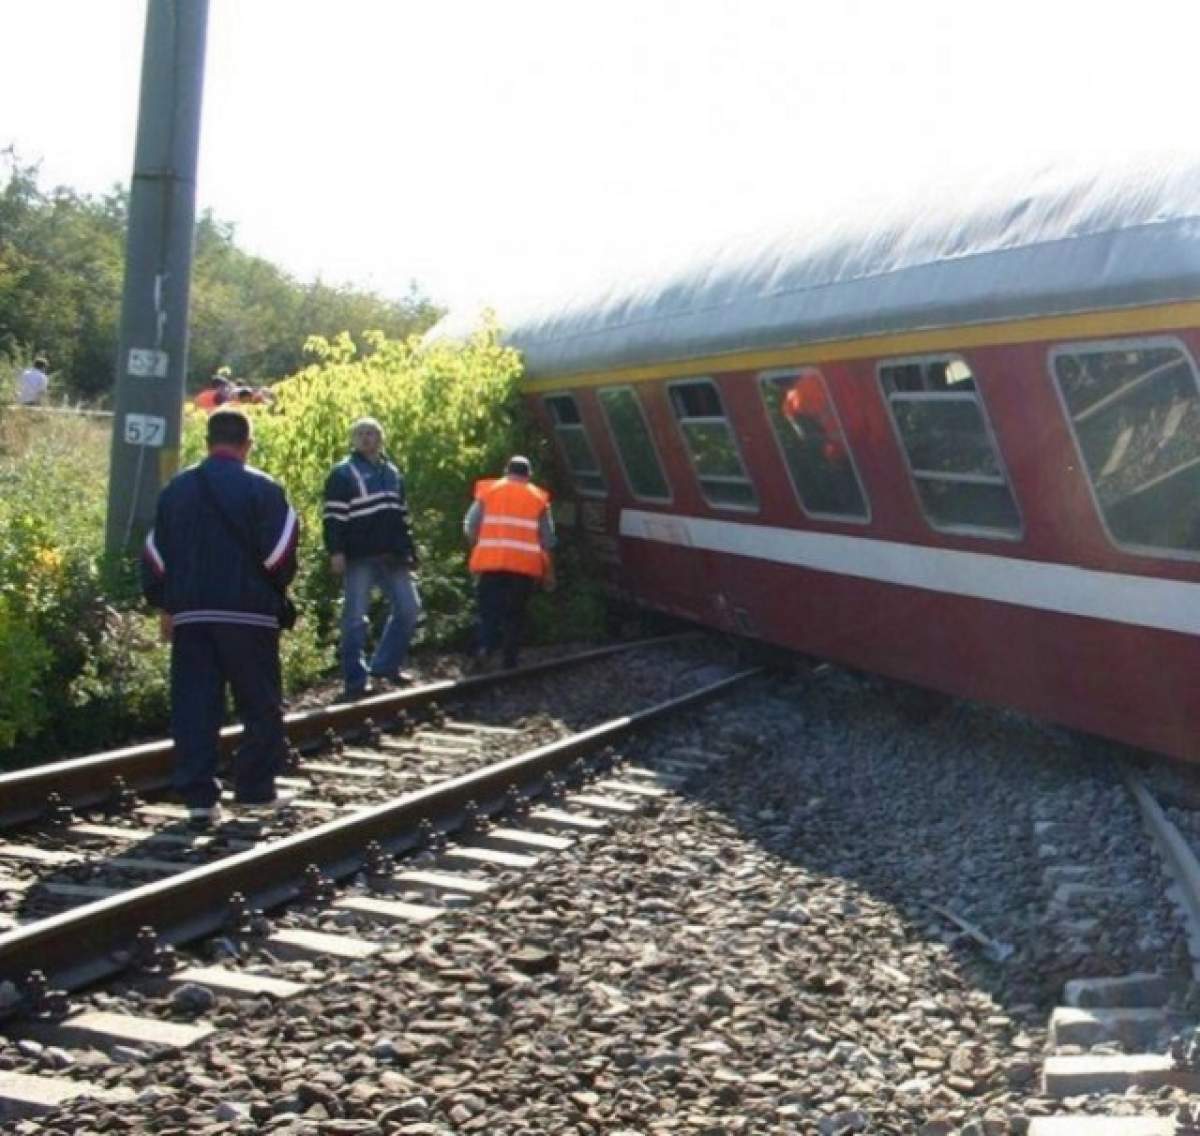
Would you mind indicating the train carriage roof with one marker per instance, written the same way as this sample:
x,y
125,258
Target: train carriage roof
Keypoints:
x,y
1054,241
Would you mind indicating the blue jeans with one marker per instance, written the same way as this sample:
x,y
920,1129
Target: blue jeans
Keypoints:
x,y
404,605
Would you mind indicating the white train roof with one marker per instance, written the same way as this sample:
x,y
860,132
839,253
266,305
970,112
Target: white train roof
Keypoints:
x,y
1048,242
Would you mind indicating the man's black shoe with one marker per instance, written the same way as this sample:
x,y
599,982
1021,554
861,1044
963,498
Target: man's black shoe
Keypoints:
x,y
357,693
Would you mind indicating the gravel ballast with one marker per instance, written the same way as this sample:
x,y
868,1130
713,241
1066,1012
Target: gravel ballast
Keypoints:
x,y
771,950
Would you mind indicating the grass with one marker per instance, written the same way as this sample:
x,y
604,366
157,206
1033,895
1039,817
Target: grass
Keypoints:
x,y
57,462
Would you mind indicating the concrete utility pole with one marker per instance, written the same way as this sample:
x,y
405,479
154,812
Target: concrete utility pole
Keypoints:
x,y
152,350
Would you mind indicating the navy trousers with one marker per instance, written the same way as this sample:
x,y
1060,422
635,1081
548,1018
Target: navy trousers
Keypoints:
x,y
503,597
205,657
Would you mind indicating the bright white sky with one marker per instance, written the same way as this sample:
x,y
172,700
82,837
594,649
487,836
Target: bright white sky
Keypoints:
x,y
482,147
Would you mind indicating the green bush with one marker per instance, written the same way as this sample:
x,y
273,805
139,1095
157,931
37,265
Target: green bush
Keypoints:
x,y
451,414
25,662
82,664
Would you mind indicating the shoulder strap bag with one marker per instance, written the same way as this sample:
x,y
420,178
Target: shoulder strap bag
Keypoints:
x,y
288,613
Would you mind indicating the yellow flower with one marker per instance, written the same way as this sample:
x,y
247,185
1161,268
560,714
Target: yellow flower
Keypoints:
x,y
48,560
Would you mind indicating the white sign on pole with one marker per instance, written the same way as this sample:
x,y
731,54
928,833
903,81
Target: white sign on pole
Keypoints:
x,y
145,429
147,363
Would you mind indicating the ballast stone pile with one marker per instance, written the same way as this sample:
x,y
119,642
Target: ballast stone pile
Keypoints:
x,y
760,956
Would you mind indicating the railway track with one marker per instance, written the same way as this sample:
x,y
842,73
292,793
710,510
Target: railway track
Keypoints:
x,y
136,927
776,914
94,826
1118,1036
30,794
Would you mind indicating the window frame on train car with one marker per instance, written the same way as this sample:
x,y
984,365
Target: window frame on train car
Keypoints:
x,y
1134,343
708,380
765,377
976,395
566,454
612,433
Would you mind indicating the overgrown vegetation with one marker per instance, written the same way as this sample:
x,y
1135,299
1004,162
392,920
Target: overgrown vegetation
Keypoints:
x,y
61,267
451,413
72,659
82,664
80,658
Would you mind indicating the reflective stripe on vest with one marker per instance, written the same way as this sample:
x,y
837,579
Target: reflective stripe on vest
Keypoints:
x,y
508,534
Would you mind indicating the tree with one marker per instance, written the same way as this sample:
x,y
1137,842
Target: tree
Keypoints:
x,y
61,270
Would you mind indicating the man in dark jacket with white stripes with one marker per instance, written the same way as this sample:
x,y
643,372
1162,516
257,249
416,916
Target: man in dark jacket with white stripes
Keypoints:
x,y
369,542
221,553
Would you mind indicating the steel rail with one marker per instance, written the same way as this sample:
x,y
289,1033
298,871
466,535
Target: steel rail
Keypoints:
x,y
89,780
92,941
1179,860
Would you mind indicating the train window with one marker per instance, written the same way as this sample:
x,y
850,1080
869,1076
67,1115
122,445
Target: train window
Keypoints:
x,y
573,439
809,433
711,444
1135,413
635,445
952,456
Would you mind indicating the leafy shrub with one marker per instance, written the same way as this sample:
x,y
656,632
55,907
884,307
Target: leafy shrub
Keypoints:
x,y
51,518
80,657
25,664
451,413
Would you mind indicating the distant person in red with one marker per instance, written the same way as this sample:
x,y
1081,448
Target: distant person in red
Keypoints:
x,y
216,393
807,407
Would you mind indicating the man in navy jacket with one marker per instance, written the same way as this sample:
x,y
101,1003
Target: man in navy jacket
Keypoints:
x,y
221,552
369,542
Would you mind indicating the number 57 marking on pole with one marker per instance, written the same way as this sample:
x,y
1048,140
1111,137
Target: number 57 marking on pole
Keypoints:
x,y
145,429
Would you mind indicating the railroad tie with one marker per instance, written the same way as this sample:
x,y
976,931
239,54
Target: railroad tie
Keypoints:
x,y
634,788
478,856
104,1030
653,776
390,910
1079,1074
293,784
26,1095
444,882
556,820
239,982
291,944
480,728
27,854
596,802
1129,1009
197,840
1135,1027
78,891
509,839
333,769
459,742
373,757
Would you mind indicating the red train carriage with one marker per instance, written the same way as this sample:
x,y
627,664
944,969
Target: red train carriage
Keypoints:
x,y
958,445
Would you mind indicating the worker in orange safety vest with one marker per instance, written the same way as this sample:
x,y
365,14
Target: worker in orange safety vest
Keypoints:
x,y
511,535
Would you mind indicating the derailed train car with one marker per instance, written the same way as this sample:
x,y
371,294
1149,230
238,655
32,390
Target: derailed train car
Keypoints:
x,y
957,444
